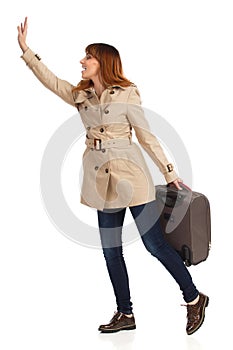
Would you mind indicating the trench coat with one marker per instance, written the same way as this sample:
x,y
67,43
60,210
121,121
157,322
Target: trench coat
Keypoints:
x,y
115,173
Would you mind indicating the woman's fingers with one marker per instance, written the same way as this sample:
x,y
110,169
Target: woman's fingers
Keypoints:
x,y
176,183
22,29
25,26
22,34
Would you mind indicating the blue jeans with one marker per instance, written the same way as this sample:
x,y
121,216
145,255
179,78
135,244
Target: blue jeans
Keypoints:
x,y
110,227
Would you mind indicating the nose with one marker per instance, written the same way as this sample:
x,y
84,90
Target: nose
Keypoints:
x,y
82,61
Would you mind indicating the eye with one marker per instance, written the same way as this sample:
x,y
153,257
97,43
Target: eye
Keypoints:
x,y
88,56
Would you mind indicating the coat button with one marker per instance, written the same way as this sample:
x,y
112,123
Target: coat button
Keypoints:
x,y
96,167
103,150
106,111
101,129
106,170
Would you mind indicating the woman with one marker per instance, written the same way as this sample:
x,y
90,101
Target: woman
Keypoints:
x,y
115,173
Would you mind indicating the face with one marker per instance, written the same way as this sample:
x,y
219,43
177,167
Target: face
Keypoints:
x,y
90,67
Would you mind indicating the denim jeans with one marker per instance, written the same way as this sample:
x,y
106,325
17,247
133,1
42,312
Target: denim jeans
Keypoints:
x,y
110,227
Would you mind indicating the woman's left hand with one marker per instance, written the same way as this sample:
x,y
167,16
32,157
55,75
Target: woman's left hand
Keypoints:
x,y
176,183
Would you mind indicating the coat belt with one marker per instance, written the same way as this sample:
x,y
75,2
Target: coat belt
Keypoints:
x,y
99,145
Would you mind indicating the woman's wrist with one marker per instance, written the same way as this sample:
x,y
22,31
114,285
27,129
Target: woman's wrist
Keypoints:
x,y
24,47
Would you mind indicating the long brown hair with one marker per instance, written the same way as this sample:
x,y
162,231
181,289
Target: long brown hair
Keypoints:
x,y
111,71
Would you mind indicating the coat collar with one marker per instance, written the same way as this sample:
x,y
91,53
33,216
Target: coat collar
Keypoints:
x,y
88,93
110,87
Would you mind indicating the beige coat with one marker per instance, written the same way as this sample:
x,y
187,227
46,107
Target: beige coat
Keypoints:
x,y
115,173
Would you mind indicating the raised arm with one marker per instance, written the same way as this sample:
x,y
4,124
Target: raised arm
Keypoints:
x,y
60,87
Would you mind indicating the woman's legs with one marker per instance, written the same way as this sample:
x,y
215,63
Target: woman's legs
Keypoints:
x,y
152,237
110,224
110,227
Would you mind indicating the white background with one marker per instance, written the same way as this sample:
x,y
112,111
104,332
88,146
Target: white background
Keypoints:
x,y
54,293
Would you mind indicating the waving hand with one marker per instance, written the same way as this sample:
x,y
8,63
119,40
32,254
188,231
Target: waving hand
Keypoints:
x,y
22,35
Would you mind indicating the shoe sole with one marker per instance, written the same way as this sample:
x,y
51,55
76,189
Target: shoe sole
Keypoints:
x,y
206,303
126,328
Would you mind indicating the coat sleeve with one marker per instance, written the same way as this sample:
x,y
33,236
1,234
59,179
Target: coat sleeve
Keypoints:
x,y
60,87
147,140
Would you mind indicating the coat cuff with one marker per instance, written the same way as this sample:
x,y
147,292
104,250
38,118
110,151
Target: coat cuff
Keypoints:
x,y
170,176
30,57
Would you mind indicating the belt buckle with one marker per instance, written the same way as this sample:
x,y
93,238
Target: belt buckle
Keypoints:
x,y
97,144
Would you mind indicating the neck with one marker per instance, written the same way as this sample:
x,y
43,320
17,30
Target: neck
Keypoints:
x,y
98,86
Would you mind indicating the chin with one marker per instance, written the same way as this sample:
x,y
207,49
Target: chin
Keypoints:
x,y
85,76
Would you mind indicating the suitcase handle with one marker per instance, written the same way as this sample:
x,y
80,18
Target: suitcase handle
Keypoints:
x,y
171,196
182,185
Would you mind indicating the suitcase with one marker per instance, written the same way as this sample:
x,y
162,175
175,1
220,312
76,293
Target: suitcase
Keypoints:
x,y
185,221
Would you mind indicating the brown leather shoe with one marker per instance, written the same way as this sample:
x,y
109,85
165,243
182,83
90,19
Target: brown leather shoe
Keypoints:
x,y
118,323
196,314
